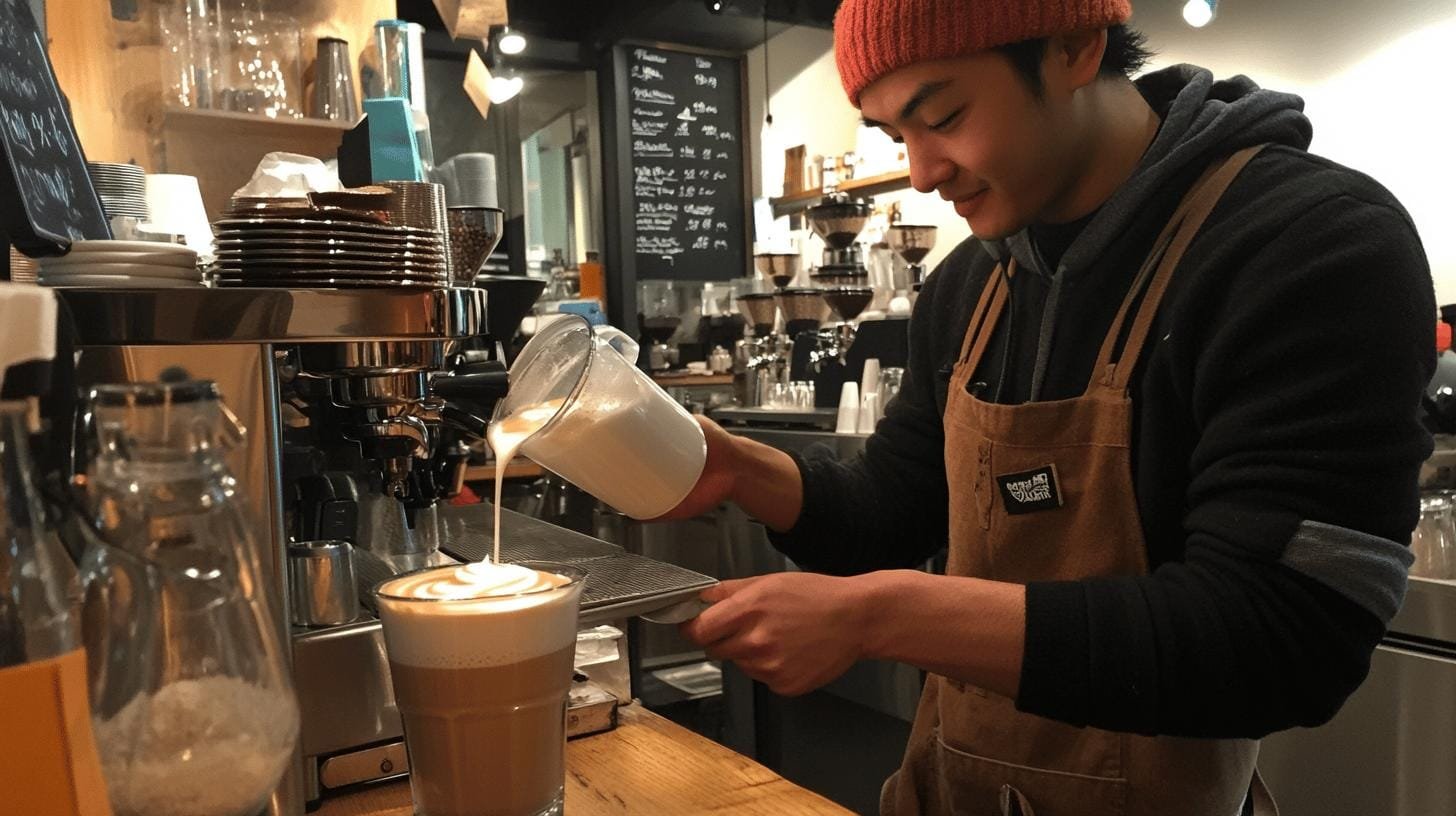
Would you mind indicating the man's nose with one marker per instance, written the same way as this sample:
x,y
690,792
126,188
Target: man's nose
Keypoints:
x,y
928,170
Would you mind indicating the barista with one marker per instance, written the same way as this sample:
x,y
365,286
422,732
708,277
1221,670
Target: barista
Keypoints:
x,y
1160,415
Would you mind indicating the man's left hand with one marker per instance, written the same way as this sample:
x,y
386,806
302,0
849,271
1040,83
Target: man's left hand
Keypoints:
x,y
793,631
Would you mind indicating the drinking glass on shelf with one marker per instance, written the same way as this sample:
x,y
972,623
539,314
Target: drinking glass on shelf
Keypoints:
x,y
890,381
262,73
1434,542
779,396
194,53
804,395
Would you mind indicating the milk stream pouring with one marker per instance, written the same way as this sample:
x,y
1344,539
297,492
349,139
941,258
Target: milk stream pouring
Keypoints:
x,y
579,407
49,764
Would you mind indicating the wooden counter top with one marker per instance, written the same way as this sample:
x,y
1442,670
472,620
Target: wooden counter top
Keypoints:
x,y
647,766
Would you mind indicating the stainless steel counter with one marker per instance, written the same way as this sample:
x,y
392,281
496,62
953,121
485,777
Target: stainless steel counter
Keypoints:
x,y
1392,748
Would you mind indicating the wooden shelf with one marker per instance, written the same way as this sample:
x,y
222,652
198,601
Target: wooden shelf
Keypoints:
x,y
254,122
868,186
516,470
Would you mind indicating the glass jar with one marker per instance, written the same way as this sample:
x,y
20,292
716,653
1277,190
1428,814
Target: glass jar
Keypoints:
x,y
191,700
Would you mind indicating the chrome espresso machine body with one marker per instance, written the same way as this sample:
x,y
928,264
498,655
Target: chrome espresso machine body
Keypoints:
x,y
358,410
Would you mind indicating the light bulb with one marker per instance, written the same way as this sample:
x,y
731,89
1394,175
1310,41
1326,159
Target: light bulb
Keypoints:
x,y
511,42
1198,13
503,88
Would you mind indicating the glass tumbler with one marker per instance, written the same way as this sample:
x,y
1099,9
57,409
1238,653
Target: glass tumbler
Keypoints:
x,y
1434,542
482,686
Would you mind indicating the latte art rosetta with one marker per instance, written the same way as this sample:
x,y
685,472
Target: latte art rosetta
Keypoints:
x,y
478,580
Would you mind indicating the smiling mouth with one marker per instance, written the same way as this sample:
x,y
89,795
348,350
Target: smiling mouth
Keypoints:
x,y
964,206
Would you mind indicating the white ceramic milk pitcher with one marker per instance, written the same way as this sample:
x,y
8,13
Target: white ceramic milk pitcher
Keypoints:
x,y
588,414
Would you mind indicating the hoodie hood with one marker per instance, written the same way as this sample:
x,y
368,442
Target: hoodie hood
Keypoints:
x,y
1202,120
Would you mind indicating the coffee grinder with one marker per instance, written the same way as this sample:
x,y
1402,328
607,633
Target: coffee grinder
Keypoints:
x,y
844,291
659,314
761,358
912,242
838,221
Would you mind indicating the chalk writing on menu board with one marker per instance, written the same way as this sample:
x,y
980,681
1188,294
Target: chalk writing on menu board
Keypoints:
x,y
44,170
687,165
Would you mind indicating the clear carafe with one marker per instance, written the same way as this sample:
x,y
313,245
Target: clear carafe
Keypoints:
x,y
585,412
191,700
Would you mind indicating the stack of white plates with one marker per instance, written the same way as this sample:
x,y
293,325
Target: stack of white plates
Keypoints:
x,y
325,253
123,264
122,187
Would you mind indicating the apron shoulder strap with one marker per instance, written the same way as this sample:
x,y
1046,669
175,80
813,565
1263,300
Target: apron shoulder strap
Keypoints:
x,y
1157,270
985,316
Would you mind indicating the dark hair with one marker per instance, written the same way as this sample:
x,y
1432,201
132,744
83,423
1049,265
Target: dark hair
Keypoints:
x,y
1127,52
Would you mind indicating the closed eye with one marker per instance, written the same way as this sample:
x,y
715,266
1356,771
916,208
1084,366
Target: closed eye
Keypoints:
x,y
947,121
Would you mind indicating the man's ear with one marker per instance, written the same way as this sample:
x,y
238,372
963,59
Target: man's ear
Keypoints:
x,y
1073,59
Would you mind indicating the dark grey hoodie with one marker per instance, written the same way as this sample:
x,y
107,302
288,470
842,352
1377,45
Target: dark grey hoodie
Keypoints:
x,y
1201,119
1276,441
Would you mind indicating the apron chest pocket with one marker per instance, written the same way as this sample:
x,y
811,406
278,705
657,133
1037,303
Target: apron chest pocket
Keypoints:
x,y
972,785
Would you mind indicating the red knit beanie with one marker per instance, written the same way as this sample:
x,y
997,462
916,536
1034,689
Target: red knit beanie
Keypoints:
x,y
874,37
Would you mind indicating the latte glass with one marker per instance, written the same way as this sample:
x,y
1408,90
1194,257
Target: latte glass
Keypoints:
x,y
482,685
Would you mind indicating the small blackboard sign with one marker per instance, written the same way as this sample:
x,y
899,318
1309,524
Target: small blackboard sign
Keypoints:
x,y
46,197
685,120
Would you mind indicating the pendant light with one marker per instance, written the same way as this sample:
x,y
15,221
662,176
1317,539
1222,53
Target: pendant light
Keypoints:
x,y
1199,13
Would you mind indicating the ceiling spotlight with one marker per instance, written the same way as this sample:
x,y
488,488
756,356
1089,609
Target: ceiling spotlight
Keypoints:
x,y
511,42
1199,13
716,6
503,87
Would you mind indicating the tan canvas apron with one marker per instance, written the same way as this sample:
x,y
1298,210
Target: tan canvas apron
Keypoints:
x,y
1044,491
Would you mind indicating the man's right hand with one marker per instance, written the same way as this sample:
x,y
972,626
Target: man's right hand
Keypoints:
x,y
720,474
764,481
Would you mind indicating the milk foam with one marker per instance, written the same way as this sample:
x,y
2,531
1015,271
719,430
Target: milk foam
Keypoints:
x,y
476,615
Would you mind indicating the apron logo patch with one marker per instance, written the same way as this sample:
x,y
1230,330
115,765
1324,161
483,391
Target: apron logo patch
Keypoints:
x,y
1030,491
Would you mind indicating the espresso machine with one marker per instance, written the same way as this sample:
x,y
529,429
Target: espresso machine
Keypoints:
x,y
336,389
358,408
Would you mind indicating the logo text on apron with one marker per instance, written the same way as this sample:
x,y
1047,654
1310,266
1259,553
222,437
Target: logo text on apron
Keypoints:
x,y
1030,490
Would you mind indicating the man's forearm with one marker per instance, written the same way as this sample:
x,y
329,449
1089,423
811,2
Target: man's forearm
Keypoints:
x,y
968,629
767,484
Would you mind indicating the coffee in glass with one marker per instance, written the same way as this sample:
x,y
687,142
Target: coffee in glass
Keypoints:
x,y
481,659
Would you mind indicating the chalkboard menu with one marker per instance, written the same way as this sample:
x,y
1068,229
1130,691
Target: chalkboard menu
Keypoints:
x,y
46,197
686,115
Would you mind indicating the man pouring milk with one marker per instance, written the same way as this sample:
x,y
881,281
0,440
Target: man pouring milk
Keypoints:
x,y
1160,414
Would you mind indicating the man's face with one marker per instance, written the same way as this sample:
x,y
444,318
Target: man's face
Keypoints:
x,y
977,135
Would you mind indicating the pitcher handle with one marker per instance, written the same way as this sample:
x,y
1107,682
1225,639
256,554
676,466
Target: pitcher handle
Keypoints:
x,y
619,340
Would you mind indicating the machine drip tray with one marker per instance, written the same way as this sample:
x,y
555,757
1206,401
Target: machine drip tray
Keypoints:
x,y
619,584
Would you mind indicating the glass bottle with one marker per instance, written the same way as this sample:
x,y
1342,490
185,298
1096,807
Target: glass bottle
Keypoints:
x,y
191,699
48,760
